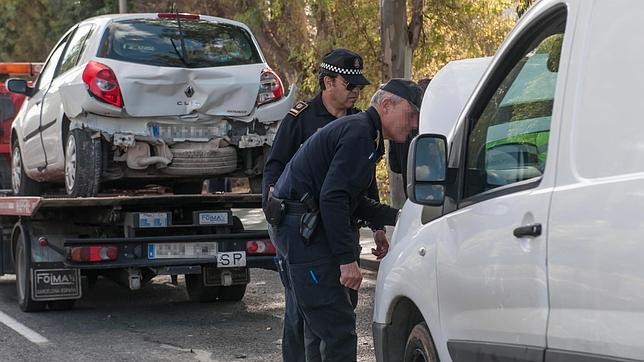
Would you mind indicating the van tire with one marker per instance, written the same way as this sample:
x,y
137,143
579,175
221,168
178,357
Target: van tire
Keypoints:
x,y
22,264
419,345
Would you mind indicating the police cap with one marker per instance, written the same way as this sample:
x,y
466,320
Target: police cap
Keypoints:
x,y
406,89
346,63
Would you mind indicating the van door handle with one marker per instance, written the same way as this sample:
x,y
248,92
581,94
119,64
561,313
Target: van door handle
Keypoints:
x,y
528,230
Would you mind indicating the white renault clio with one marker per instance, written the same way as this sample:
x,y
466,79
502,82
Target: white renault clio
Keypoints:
x,y
522,239
127,100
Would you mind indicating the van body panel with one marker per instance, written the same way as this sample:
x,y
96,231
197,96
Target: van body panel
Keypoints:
x,y
595,250
441,106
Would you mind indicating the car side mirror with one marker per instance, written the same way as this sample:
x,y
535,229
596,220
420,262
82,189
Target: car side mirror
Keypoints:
x,y
427,169
20,86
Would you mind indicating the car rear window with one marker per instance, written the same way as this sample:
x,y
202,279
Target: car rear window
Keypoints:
x,y
7,108
159,42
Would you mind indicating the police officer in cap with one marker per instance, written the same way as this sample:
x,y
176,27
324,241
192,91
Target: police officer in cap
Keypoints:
x,y
321,189
341,79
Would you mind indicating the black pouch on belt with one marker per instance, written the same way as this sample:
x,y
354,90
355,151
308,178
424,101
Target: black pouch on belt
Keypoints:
x,y
275,209
310,219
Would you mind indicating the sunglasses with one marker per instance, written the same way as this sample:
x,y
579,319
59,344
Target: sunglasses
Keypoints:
x,y
350,87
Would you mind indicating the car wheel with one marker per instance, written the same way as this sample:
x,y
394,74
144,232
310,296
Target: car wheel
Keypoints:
x,y
22,264
197,291
21,184
255,184
188,188
83,163
232,293
419,345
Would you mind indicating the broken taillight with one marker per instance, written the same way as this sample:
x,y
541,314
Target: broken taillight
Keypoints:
x,y
102,84
270,87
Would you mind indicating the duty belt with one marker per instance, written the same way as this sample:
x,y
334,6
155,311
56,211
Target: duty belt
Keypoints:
x,y
294,207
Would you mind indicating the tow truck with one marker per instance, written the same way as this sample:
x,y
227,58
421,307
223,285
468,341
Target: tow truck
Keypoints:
x,y
51,243
10,103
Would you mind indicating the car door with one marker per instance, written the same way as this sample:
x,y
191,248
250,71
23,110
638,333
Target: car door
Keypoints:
x,y
32,149
491,258
52,112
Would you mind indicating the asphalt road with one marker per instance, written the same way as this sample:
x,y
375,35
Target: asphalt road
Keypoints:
x,y
158,323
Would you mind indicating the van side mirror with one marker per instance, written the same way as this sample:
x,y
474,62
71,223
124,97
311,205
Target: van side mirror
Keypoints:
x,y
427,169
20,86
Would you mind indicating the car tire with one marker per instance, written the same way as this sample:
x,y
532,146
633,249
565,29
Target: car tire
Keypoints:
x,y
255,184
83,164
419,346
198,292
188,188
232,293
209,163
22,264
21,184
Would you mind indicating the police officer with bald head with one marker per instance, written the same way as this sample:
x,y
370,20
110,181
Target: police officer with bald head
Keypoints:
x,y
320,191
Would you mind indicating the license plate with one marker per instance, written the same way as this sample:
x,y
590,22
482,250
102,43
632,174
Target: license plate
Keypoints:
x,y
213,218
53,284
182,250
231,259
153,219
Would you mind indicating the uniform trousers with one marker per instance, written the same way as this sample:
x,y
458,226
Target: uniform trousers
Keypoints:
x,y
325,305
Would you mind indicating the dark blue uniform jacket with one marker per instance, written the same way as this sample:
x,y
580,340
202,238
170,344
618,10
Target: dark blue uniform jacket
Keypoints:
x,y
294,130
336,165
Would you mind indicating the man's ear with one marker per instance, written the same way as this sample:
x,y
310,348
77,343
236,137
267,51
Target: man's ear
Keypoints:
x,y
385,104
328,82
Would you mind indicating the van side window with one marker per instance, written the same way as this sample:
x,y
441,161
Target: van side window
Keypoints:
x,y
508,142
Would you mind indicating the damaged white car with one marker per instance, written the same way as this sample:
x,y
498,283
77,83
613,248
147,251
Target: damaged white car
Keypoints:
x,y
124,101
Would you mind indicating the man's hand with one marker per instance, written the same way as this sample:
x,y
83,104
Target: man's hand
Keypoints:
x,y
350,275
382,245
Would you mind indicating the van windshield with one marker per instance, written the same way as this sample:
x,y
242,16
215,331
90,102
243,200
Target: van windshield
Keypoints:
x,y
159,42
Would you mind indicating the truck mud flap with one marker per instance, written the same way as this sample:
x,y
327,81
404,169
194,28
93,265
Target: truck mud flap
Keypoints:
x,y
55,284
216,277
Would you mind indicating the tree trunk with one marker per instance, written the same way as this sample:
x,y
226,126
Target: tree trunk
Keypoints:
x,y
396,63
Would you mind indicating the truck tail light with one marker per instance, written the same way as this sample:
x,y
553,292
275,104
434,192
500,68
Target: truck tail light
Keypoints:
x,y
102,84
93,253
264,246
270,87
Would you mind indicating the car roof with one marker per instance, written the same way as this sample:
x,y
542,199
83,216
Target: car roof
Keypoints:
x,y
109,18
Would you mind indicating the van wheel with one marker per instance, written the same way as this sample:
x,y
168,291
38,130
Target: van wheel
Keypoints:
x,y
21,184
419,345
197,292
23,278
83,163
232,293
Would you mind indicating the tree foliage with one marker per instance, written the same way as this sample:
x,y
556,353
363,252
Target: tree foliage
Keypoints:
x,y
293,34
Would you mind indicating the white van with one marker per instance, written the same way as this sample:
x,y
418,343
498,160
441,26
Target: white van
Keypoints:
x,y
524,240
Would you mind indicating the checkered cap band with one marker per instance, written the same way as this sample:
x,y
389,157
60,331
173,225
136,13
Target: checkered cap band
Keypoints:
x,y
339,70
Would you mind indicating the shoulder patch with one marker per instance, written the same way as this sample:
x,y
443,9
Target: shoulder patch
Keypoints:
x,y
299,107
